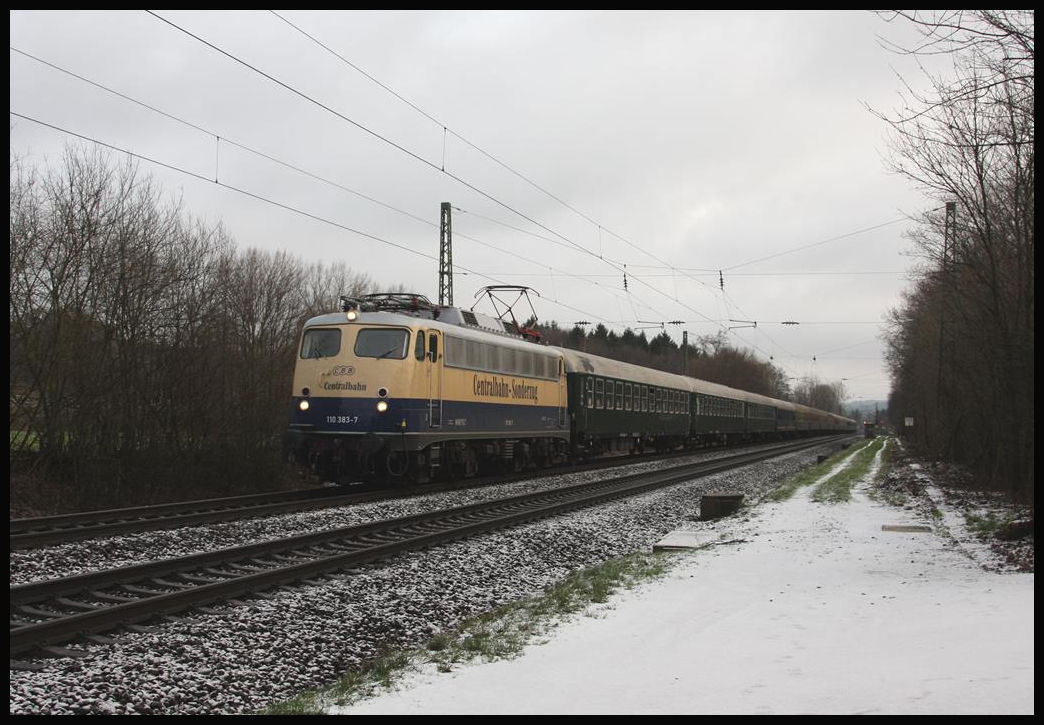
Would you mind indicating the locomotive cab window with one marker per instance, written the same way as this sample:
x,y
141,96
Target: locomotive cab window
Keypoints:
x,y
382,343
318,343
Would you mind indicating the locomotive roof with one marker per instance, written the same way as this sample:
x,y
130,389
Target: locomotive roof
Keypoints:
x,y
450,327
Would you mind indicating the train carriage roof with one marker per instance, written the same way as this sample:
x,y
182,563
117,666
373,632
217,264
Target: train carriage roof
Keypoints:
x,y
585,363
582,362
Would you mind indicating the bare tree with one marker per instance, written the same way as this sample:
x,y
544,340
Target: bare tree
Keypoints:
x,y
969,141
148,356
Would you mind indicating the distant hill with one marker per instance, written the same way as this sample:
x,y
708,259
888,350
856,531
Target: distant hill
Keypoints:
x,y
866,408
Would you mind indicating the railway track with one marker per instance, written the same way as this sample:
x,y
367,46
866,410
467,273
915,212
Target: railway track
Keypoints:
x,y
83,607
28,533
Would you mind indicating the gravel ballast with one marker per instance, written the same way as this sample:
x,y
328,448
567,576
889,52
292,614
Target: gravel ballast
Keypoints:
x,y
245,657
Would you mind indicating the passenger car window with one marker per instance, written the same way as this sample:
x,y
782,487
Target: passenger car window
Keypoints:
x,y
320,342
382,343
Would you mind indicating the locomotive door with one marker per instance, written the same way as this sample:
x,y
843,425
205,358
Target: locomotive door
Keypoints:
x,y
434,356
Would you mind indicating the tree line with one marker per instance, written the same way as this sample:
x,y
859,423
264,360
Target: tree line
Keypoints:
x,y
150,359
960,346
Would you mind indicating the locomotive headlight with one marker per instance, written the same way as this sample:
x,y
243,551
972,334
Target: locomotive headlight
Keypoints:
x,y
303,405
351,315
382,405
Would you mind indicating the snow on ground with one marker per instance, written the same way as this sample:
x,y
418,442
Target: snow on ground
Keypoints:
x,y
801,608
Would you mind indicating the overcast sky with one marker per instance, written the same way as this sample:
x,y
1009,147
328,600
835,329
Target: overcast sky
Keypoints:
x,y
696,148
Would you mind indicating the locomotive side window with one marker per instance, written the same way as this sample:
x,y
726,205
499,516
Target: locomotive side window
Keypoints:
x,y
433,347
418,349
645,398
382,343
627,396
318,343
619,396
599,389
589,384
609,390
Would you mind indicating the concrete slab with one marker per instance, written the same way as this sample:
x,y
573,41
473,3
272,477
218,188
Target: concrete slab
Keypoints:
x,y
686,539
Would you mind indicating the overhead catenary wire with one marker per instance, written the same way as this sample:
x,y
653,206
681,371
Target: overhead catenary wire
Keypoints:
x,y
397,146
512,170
298,169
273,202
453,176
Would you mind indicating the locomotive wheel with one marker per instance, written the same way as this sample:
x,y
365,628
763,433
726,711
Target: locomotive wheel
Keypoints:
x,y
521,461
398,468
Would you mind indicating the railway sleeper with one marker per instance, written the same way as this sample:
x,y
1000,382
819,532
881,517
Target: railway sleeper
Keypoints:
x,y
196,579
73,604
340,548
139,628
35,612
221,575
24,666
63,652
288,559
135,589
113,598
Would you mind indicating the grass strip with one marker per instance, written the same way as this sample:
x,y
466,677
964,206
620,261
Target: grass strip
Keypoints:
x,y
838,487
501,633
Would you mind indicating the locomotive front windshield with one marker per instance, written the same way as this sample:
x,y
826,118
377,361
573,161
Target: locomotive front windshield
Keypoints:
x,y
382,343
320,343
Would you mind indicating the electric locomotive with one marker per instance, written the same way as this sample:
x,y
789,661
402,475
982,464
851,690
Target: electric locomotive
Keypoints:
x,y
396,387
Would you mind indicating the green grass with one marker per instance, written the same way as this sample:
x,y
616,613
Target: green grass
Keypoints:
x,y
803,478
501,633
987,524
838,488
